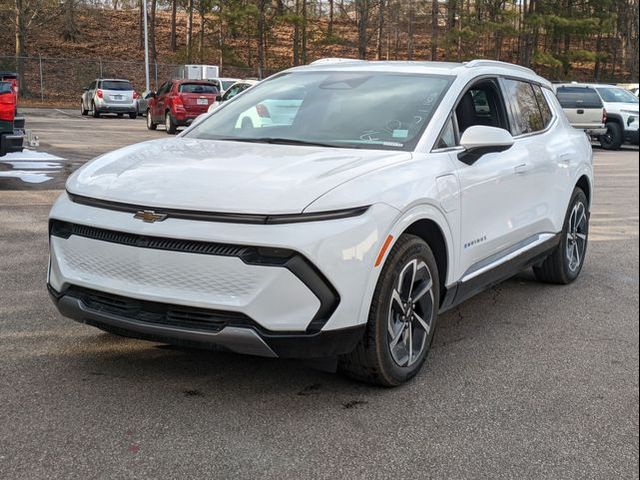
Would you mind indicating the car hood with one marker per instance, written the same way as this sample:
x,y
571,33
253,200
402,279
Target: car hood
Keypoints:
x,y
224,176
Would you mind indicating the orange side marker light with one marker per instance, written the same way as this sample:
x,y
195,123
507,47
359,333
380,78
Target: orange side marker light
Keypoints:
x,y
383,250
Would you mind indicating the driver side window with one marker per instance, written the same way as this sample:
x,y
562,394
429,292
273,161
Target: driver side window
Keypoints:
x,y
482,104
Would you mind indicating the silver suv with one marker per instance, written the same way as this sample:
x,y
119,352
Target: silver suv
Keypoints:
x,y
109,95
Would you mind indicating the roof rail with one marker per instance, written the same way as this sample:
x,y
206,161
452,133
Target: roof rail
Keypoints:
x,y
335,60
496,63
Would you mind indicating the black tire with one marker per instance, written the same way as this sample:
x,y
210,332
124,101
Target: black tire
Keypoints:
x,y
558,267
613,139
169,124
83,111
120,115
150,123
372,361
94,110
133,115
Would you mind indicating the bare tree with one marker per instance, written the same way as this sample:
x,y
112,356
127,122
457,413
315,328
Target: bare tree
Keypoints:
x,y
70,31
173,39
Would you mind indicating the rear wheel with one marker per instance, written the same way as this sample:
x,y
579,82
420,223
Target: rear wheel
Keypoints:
x,y
565,263
169,124
402,318
94,110
612,140
150,124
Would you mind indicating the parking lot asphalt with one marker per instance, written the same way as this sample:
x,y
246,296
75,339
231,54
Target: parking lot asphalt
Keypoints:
x,y
524,381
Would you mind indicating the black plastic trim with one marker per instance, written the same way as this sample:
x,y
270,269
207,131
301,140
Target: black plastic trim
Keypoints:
x,y
73,303
293,261
250,218
466,290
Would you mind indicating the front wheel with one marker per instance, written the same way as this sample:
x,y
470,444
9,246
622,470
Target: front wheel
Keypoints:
x,y
83,111
402,317
133,115
565,263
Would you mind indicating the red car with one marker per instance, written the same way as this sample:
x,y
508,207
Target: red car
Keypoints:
x,y
178,102
10,136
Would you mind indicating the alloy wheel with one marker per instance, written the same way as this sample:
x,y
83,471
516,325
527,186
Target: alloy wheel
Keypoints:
x,y
410,313
576,242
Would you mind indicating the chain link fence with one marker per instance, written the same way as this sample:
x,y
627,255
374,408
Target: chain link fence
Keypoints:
x,y
59,81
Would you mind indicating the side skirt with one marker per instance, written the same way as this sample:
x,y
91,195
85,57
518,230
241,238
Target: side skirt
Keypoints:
x,y
463,290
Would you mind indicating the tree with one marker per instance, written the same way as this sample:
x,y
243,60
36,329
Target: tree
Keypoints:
x,y
70,32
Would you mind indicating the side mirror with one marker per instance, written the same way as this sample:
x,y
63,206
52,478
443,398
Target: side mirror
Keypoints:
x,y
479,140
218,98
85,89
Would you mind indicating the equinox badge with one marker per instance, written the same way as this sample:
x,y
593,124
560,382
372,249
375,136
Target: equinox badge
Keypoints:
x,y
149,216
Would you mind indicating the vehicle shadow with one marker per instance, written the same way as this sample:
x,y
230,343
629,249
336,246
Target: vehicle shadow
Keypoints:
x,y
191,372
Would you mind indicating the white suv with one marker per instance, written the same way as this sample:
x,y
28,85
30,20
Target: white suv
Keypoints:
x,y
385,194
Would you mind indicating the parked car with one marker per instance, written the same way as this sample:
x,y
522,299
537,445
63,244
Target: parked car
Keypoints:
x,y
179,102
584,108
10,139
226,83
231,92
622,115
343,233
142,102
109,95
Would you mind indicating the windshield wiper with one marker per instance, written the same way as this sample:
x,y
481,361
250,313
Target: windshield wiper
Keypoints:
x,y
277,141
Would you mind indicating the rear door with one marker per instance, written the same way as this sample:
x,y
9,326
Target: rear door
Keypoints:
x,y
582,106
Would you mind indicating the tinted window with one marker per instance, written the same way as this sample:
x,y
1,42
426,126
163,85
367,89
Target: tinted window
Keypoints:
x,y
164,88
617,95
116,85
197,88
342,109
578,97
526,113
5,87
482,104
544,107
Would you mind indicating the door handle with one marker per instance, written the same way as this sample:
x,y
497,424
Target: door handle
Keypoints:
x,y
522,168
565,158
580,112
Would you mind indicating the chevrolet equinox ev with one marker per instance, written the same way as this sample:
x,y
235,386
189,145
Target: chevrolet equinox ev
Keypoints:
x,y
369,198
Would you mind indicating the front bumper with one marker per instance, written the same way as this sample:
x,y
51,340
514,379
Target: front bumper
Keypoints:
x,y
245,269
175,325
631,136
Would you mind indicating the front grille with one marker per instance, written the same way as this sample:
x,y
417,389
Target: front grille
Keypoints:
x,y
158,313
66,229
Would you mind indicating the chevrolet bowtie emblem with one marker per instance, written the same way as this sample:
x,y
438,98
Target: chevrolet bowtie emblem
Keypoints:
x,y
149,216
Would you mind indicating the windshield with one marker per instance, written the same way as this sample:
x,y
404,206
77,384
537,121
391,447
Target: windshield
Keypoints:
x,y
338,109
116,85
197,88
617,95
227,83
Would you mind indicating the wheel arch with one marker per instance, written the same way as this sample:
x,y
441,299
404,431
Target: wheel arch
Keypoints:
x,y
429,231
584,184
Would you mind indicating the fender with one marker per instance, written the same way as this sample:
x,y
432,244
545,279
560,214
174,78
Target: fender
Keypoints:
x,y
405,219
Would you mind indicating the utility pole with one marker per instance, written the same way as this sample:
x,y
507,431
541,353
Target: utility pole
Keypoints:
x,y
146,46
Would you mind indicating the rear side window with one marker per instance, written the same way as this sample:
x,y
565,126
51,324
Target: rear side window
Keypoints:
x,y
543,105
5,87
197,88
116,85
527,117
578,97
